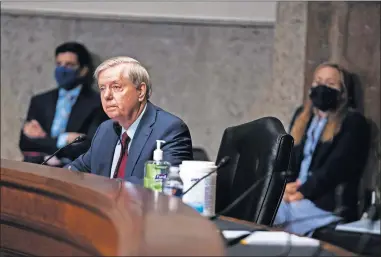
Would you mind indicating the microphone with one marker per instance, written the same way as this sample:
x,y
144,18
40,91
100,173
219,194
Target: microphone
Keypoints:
x,y
284,175
79,139
237,240
222,163
372,216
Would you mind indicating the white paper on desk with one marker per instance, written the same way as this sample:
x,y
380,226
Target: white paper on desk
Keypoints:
x,y
279,238
361,226
229,234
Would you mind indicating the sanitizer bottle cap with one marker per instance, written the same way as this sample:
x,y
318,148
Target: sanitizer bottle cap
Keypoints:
x,y
158,153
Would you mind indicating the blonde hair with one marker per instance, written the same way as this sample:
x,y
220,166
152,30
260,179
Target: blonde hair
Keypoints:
x,y
133,70
335,118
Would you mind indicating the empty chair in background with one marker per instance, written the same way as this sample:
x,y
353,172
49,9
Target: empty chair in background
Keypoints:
x,y
258,149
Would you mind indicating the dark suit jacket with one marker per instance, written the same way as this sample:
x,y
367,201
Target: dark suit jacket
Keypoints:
x,y
156,124
85,117
340,162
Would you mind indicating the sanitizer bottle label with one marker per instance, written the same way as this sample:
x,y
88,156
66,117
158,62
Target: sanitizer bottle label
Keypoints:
x,y
155,177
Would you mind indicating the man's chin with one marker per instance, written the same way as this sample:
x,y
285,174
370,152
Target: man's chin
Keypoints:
x,y
114,116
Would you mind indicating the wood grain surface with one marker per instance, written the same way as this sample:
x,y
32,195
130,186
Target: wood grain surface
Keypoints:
x,y
49,211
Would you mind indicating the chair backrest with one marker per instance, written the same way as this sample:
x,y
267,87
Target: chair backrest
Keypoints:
x,y
199,154
370,180
257,149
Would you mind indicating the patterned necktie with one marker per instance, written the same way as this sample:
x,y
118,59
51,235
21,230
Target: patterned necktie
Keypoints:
x,y
65,102
122,162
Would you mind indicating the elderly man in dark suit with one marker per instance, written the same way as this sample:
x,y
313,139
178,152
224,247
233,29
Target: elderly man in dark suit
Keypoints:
x,y
55,118
122,145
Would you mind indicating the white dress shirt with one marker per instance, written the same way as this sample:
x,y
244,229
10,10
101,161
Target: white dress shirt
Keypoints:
x,y
131,133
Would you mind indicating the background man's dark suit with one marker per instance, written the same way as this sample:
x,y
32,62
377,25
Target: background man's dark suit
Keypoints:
x,y
85,117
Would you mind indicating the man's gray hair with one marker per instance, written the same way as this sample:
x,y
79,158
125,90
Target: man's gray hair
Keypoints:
x,y
133,70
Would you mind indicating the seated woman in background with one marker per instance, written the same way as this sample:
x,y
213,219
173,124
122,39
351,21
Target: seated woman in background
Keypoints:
x,y
331,148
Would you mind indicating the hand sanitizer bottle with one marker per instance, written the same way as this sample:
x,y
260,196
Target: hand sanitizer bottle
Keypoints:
x,y
156,171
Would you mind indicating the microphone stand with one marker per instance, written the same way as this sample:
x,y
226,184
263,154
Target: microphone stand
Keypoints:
x,y
222,163
79,139
372,216
283,175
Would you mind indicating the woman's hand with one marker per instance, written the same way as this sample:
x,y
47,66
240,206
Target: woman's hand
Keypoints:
x,y
291,192
295,197
292,187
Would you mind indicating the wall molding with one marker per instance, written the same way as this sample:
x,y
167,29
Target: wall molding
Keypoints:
x,y
138,18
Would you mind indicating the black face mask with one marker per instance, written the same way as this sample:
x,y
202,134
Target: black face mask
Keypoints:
x,y
324,98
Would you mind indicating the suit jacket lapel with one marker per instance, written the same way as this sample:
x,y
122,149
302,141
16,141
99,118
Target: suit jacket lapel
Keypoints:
x,y
82,108
49,110
140,138
321,151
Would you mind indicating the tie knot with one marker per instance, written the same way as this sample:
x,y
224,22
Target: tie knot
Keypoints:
x,y
125,139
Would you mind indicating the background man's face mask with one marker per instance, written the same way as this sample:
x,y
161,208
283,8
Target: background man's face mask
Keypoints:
x,y
67,78
324,97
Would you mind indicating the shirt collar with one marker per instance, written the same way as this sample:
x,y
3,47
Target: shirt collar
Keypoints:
x,y
320,120
132,129
72,92
317,123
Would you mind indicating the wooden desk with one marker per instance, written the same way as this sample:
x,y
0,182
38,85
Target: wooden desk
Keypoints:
x,y
55,212
329,247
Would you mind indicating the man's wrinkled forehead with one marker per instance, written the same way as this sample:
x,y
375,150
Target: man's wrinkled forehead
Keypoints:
x,y
112,74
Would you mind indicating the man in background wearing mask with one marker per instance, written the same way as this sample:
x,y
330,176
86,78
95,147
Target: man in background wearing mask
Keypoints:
x,y
57,117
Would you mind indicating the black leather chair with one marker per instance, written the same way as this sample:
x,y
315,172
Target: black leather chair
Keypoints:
x,y
369,183
199,154
257,149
